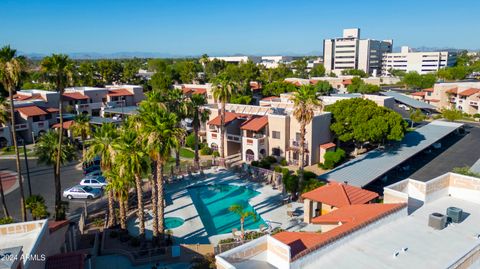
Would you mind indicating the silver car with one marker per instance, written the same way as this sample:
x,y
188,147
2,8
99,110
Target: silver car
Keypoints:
x,y
82,192
94,182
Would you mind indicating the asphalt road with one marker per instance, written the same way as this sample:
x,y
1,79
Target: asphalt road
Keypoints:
x,y
42,183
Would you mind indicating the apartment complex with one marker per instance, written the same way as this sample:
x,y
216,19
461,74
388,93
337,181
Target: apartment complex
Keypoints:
x,y
37,110
268,129
398,233
461,95
420,62
352,52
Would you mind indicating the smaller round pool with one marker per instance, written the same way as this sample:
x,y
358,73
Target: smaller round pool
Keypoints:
x,y
173,222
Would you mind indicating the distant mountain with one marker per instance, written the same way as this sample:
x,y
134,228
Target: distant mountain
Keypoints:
x,y
426,49
115,55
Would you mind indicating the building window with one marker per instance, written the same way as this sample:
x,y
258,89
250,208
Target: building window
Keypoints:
x,y
275,134
276,151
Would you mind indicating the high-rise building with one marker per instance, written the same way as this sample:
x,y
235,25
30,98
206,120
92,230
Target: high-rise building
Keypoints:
x,y
421,62
351,52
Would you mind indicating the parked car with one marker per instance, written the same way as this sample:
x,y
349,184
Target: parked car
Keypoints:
x,y
95,173
94,182
82,192
91,169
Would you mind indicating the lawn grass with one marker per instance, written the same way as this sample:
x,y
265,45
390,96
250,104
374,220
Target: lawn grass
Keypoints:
x,y
187,153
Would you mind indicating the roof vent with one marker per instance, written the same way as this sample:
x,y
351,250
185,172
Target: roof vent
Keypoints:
x,y
395,254
455,214
437,221
404,249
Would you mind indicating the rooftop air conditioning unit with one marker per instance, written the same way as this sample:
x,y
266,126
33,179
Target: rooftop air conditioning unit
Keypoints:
x,y
455,214
437,221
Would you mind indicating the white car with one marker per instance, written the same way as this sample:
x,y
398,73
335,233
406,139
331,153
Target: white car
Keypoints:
x,y
94,182
82,192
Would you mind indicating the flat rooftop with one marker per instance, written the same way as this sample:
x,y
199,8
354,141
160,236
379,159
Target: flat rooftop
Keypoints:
x,y
427,248
365,169
408,100
126,110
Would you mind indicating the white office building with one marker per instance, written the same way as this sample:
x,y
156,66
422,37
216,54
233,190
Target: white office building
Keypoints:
x,y
274,61
351,52
421,62
236,59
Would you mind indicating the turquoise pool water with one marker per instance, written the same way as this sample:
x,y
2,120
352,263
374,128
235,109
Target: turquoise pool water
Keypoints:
x,y
212,203
173,222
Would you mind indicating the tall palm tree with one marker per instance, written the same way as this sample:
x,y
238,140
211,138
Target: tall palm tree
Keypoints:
x,y
81,127
243,214
132,162
119,186
223,89
11,68
101,145
160,133
47,151
58,69
305,104
198,115
176,103
4,108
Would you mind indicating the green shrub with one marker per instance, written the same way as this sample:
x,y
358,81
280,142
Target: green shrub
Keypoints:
x,y
291,183
226,240
285,171
6,220
254,163
277,169
308,175
311,184
332,158
216,154
206,151
283,162
276,231
476,115
271,159
190,141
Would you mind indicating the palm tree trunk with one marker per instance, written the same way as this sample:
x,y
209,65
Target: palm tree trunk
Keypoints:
x,y
138,185
111,211
302,153
242,228
4,205
160,203
58,157
84,150
154,204
197,159
17,156
177,157
121,203
222,131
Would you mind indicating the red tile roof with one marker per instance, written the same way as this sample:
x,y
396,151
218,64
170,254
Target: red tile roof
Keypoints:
x,y
419,94
187,90
254,85
469,92
452,90
51,109
229,116
269,98
120,92
66,124
199,91
74,96
56,225
433,100
72,260
340,195
255,124
31,111
347,82
428,90
328,145
302,243
22,97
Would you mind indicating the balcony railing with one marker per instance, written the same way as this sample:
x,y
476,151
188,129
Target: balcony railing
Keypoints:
x,y
97,105
296,144
21,126
234,138
256,136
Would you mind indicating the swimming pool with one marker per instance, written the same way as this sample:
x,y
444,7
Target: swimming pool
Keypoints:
x,y
212,203
133,224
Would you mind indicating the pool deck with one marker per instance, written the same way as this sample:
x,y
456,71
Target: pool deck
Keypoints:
x,y
268,204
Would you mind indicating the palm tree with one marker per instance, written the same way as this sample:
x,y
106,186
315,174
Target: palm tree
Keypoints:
x,y
36,205
4,108
58,69
11,68
119,186
176,103
101,145
47,151
199,115
132,162
160,133
81,127
243,214
305,104
223,90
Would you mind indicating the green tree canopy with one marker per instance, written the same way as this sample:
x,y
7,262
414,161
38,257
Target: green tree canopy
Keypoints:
x,y
317,71
323,87
359,86
281,72
300,67
278,87
355,72
451,114
415,80
359,120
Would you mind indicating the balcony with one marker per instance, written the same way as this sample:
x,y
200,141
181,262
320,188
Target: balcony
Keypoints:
x,y
40,126
296,144
21,126
82,107
234,138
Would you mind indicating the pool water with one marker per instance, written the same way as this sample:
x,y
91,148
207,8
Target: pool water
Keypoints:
x,y
173,222
212,203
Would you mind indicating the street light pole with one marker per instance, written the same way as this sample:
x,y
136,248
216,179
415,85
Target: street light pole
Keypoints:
x,y
28,170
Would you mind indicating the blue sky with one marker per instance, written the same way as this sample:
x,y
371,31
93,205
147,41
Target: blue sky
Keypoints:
x,y
228,27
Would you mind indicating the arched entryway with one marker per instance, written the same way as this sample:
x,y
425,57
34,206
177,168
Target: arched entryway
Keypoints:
x,y
249,155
